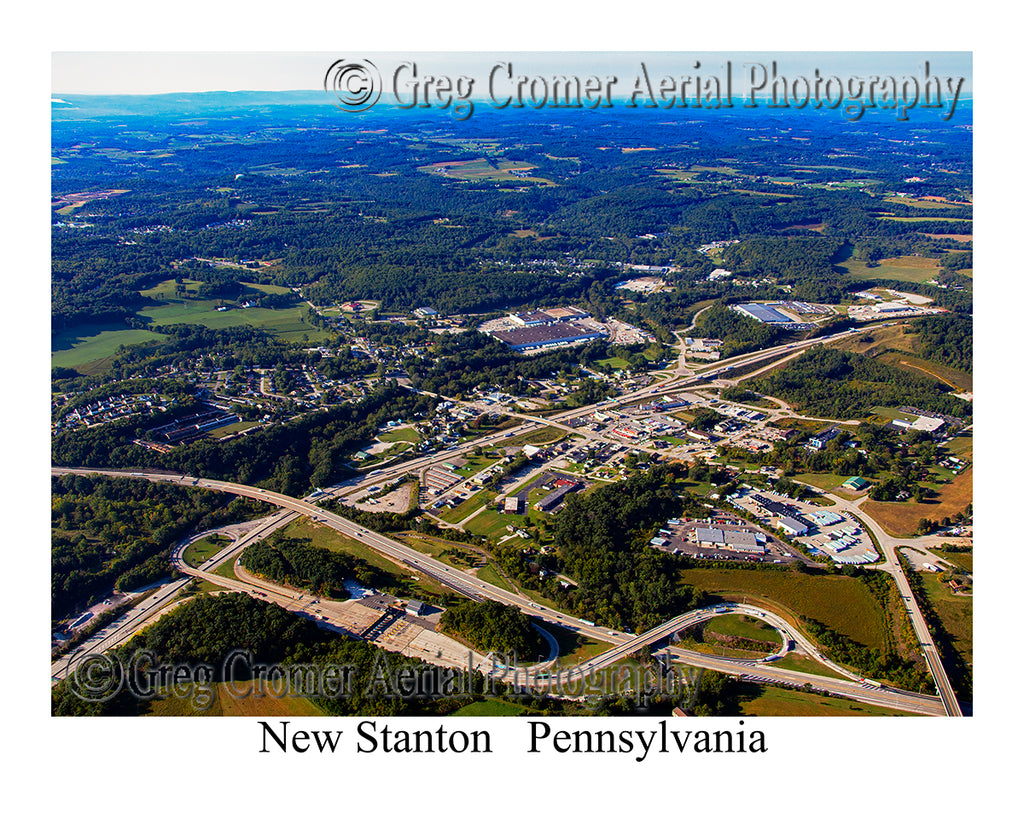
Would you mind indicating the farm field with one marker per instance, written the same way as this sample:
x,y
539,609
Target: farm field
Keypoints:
x,y
900,268
483,170
926,203
89,344
843,604
922,219
288,323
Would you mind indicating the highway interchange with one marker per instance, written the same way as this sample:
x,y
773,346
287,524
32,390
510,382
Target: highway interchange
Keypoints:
x,y
471,586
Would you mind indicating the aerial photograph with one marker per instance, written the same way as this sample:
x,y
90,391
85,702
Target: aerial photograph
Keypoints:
x,y
514,384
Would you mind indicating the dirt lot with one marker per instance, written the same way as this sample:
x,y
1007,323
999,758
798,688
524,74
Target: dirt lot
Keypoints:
x,y
901,519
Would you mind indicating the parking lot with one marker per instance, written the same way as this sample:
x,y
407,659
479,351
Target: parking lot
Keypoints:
x,y
829,534
680,537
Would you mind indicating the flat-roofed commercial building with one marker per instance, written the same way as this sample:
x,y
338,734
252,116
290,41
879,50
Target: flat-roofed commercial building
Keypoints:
x,y
764,313
792,527
724,539
546,335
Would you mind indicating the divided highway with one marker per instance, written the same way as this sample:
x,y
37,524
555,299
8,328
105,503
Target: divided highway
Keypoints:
x,y
470,586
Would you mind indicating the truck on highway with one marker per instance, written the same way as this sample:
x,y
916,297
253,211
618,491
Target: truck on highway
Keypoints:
x,y
586,622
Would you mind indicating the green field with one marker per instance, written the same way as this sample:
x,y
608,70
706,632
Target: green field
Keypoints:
x,y
404,434
927,204
231,429
574,648
740,625
202,550
962,446
841,603
468,506
454,554
488,574
324,537
227,704
823,480
89,344
491,524
226,570
801,662
537,437
965,560
204,587
892,414
923,219
477,463
289,323
489,708
955,611
482,170
899,268
769,701
614,362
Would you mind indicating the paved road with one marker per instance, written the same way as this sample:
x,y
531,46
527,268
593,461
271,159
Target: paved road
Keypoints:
x,y
470,586
888,546
455,579
887,697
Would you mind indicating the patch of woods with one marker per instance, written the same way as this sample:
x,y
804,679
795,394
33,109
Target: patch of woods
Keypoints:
x,y
947,338
601,541
296,562
740,334
115,533
234,633
491,626
839,384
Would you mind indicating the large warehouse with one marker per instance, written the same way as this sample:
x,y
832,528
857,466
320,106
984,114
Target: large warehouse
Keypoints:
x,y
764,313
546,335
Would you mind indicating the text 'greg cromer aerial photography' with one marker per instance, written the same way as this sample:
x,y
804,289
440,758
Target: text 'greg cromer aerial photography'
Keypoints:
x,y
516,385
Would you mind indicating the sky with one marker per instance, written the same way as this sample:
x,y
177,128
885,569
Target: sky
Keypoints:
x,y
97,72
